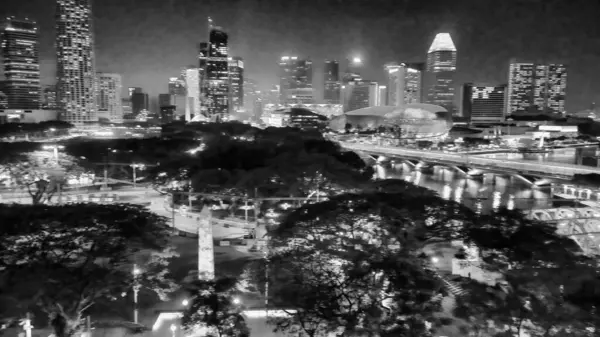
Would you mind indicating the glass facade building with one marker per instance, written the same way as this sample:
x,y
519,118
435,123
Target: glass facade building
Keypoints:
x,y
536,88
216,83
109,96
359,94
76,85
21,64
483,104
441,69
331,92
295,76
236,83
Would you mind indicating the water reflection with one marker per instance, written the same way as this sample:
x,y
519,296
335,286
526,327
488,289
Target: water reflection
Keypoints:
x,y
577,156
482,194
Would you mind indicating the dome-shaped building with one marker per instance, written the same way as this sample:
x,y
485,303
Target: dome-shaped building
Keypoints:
x,y
296,117
417,120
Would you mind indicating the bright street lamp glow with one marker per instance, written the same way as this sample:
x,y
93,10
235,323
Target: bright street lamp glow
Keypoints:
x,y
185,302
173,327
236,301
136,271
356,60
435,259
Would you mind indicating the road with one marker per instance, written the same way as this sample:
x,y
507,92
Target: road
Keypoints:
x,y
185,224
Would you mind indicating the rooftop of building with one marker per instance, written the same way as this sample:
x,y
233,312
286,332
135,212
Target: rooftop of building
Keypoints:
x,y
442,42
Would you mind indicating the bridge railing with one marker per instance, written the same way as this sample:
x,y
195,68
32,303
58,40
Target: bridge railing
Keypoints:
x,y
546,168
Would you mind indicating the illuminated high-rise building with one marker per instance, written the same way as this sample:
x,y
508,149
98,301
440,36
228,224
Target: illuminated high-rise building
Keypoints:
x,y
441,69
536,88
177,86
382,96
359,94
236,83
109,97
483,103
216,83
331,93
76,85
295,76
139,102
251,94
404,84
192,83
21,64
49,98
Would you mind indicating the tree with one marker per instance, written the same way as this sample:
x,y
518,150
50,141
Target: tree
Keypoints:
x,y
41,173
64,259
213,310
363,255
393,228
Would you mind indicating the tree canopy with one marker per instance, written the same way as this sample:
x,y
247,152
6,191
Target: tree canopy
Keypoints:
x,y
345,257
61,260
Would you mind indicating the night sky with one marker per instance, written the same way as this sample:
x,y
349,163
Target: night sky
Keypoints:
x,y
148,41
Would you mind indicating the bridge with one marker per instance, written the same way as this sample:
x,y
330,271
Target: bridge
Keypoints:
x,y
473,165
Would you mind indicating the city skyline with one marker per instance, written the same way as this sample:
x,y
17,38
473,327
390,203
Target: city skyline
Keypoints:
x,y
486,59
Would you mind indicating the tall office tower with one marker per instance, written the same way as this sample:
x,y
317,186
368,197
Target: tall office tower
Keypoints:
x,y
413,90
3,97
177,86
331,93
382,96
396,84
109,96
236,83
139,102
76,85
250,95
216,83
483,103
21,64
354,67
295,76
404,84
536,88
192,83
126,106
134,90
49,98
166,100
441,68
359,94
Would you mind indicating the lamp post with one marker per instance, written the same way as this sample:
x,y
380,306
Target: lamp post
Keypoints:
x,y
136,288
173,329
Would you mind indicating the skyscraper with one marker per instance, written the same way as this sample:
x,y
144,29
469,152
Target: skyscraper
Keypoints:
x,y
139,102
236,83
359,94
109,96
192,83
250,95
21,64
483,103
295,77
383,96
134,90
404,83
441,68
49,98
177,86
536,87
216,83
76,86
331,93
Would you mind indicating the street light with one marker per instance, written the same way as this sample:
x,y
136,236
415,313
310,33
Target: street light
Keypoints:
x,y
185,302
173,329
136,288
236,301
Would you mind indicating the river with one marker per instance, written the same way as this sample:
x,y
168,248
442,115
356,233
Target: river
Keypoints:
x,y
482,194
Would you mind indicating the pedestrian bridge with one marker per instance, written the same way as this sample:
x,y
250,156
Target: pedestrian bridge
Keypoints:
x,y
515,166
580,224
